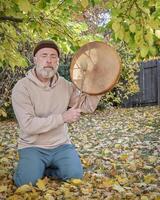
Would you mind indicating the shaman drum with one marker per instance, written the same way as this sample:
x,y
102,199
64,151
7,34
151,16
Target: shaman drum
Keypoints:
x,y
95,68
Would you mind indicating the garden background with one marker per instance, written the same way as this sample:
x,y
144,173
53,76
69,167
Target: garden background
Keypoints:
x,y
119,147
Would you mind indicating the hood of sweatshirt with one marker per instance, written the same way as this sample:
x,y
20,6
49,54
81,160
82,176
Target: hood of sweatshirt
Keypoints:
x,y
31,75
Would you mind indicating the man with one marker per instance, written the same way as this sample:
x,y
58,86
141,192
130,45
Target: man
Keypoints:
x,y
40,102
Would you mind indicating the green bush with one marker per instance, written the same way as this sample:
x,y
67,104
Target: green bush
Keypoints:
x,y
128,82
8,78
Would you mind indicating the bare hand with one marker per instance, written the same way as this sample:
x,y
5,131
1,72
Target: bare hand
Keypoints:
x,y
71,115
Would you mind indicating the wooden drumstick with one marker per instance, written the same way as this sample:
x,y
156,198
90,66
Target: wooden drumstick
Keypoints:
x,y
84,69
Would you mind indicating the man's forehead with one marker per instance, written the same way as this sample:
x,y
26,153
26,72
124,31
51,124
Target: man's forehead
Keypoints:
x,y
47,50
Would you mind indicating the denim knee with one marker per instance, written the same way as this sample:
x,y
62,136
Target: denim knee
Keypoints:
x,y
70,173
30,167
22,180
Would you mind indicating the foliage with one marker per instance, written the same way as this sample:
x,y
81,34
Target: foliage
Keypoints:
x,y
26,21
136,22
8,79
127,84
119,150
132,26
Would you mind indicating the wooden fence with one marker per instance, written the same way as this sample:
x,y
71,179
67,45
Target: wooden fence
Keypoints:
x,y
149,83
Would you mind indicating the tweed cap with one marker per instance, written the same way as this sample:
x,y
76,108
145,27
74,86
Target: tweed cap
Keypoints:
x,y
46,44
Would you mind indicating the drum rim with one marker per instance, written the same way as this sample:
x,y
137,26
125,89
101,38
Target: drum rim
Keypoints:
x,y
80,51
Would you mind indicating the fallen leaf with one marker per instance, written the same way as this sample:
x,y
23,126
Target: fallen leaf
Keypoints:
x,y
41,184
3,188
76,181
150,178
24,188
118,188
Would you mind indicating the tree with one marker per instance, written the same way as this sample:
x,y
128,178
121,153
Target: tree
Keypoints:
x,y
131,26
22,22
137,23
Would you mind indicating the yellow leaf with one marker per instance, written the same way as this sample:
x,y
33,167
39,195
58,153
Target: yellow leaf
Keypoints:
x,y
24,5
124,156
84,3
118,146
132,28
23,189
41,184
15,197
132,166
122,180
144,198
158,168
76,181
86,191
49,197
108,182
86,162
152,159
118,188
157,33
144,51
3,113
67,194
3,188
150,178
106,151
4,160
2,173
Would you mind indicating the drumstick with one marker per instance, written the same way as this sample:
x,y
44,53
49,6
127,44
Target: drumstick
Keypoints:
x,y
84,69
82,84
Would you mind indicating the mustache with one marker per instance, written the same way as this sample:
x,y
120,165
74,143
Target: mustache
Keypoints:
x,y
44,67
48,67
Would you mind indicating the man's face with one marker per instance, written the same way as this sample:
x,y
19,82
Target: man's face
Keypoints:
x,y
46,62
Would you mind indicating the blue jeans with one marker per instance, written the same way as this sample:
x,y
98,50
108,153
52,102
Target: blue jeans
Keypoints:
x,y
35,163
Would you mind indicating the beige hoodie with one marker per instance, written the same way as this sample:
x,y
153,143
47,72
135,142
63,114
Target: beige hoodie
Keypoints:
x,y
38,109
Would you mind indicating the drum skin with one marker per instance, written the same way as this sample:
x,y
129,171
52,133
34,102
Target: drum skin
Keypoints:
x,y
95,68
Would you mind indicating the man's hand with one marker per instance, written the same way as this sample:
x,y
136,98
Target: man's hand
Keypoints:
x,y
71,115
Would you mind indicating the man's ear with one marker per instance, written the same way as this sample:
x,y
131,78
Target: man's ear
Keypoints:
x,y
35,60
58,61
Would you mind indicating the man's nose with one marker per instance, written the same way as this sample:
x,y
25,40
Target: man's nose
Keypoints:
x,y
49,60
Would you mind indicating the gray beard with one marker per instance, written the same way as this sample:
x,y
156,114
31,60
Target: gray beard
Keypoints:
x,y
47,72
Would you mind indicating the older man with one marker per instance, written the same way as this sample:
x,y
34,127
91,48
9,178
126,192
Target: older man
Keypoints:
x,y
40,102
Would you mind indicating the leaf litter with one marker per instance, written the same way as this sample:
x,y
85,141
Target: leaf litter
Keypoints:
x,y
120,152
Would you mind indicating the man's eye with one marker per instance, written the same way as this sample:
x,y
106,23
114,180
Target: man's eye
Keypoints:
x,y
54,57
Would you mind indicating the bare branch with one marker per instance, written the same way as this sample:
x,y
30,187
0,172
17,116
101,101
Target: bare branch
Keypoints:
x,y
10,18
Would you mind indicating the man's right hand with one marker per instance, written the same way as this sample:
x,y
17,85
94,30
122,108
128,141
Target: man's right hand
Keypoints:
x,y
71,115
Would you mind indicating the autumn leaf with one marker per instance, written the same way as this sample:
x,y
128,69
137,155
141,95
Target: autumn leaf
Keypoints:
x,y
150,178
3,188
76,181
41,184
118,188
118,148
24,188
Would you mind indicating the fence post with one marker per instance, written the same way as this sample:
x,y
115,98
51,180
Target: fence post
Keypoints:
x,y
158,80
